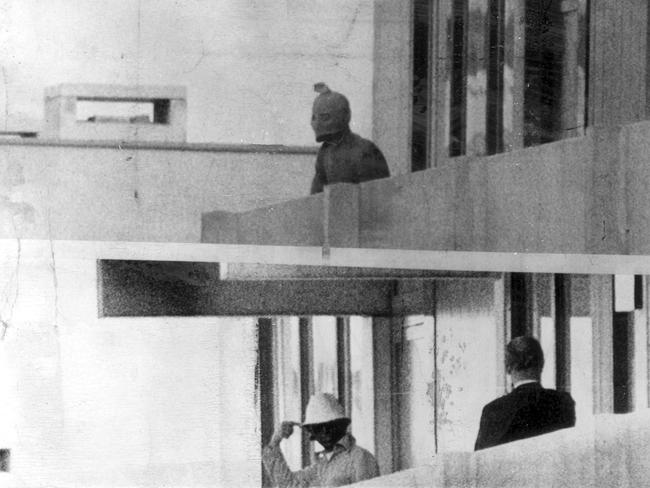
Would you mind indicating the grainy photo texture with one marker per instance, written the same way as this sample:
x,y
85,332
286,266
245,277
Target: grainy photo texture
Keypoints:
x,y
324,243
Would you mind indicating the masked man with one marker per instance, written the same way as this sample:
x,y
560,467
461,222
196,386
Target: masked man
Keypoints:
x,y
341,462
344,157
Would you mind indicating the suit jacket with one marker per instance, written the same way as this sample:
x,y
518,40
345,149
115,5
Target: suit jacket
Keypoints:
x,y
527,411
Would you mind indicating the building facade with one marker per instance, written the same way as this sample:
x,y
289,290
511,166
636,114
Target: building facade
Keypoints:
x,y
139,350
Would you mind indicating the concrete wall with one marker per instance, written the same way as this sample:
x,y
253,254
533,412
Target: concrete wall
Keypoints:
x,y
618,84
392,82
249,67
118,402
529,200
581,195
139,193
609,451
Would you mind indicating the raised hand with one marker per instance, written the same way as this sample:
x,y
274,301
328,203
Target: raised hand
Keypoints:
x,y
283,431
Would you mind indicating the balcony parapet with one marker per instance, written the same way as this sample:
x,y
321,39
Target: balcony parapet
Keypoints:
x,y
585,195
609,451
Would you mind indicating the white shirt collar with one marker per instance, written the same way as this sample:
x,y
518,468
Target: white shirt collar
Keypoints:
x,y
523,382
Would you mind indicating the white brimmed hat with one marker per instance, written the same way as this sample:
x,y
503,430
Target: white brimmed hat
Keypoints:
x,y
323,407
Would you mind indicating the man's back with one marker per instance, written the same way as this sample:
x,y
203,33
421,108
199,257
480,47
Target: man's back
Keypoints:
x,y
350,159
527,411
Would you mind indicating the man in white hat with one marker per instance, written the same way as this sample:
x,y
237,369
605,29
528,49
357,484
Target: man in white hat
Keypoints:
x,y
341,462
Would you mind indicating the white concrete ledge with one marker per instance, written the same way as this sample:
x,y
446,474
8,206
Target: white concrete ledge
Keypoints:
x,y
163,146
607,451
94,91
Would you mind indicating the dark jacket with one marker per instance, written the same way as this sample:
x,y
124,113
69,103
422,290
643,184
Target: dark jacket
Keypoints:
x,y
351,159
527,411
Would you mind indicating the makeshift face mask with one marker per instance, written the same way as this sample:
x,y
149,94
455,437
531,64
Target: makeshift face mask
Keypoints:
x,y
330,113
328,433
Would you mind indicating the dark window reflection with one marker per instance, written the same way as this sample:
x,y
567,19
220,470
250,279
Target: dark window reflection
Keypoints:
x,y
458,102
494,119
508,78
555,70
543,71
421,85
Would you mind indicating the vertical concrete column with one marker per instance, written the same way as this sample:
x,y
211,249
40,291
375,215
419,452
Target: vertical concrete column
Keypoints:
x,y
453,469
591,340
178,118
392,90
606,209
383,371
60,111
570,82
617,61
341,216
602,313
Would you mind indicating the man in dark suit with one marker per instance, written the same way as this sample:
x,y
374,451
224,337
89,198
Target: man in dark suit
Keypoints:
x,y
529,409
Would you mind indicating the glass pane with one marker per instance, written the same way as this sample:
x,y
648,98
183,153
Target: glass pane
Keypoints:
x,y
98,111
640,366
477,25
554,71
458,99
624,293
421,85
582,367
416,390
288,374
547,340
362,388
325,361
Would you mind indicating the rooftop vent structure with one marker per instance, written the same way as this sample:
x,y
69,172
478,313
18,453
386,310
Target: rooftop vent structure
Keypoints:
x,y
115,113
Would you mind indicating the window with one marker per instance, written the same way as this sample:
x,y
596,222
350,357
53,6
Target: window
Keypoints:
x,y
5,455
321,354
127,112
629,338
504,74
421,123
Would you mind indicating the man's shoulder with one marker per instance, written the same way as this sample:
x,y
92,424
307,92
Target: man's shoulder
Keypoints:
x,y
359,452
514,397
536,394
498,403
360,141
559,396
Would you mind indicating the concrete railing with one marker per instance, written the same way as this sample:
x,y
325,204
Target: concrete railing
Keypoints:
x,y
581,195
609,452
112,191
318,220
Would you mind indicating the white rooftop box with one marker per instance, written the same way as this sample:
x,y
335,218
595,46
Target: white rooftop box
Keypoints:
x,y
115,112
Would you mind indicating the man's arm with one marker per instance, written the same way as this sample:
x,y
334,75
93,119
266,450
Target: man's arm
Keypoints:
x,y
570,411
319,180
485,437
276,466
